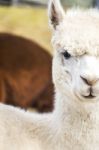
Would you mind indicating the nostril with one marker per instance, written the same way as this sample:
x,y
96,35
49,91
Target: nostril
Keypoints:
x,y
89,81
85,80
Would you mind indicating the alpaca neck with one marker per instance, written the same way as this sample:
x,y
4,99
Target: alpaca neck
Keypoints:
x,y
69,111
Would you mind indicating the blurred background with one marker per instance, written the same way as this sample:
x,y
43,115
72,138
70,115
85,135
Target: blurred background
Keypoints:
x,y
26,53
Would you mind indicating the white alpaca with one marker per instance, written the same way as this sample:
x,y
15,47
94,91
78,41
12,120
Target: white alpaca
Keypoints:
x,y
74,123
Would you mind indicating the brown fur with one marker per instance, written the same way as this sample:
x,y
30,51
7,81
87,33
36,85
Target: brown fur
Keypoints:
x,y
25,73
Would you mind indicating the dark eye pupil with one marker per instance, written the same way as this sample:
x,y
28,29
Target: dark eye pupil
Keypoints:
x,y
66,55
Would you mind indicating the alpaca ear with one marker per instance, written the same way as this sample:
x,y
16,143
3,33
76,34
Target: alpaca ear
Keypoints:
x,y
56,13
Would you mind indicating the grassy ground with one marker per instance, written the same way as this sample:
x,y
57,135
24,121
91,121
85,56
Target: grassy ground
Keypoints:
x,y
28,22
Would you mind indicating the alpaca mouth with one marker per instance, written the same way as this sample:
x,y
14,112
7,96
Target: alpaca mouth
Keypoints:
x,y
90,96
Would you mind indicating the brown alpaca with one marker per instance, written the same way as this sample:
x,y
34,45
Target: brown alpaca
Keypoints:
x,y
25,73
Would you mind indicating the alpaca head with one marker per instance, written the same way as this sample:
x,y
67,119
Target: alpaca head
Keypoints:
x,y
76,57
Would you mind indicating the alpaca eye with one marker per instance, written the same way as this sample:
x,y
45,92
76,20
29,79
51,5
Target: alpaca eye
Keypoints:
x,y
66,55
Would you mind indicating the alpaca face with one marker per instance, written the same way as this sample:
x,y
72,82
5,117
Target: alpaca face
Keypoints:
x,y
76,58
76,75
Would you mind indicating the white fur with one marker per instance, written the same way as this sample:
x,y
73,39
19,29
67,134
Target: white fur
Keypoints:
x,y
74,123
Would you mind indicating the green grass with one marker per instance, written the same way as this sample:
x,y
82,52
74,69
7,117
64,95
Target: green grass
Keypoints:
x,y
28,22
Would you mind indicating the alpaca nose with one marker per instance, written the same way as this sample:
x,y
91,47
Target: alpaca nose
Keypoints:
x,y
89,81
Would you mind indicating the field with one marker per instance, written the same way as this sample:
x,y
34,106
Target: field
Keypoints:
x,y
29,22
